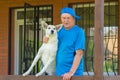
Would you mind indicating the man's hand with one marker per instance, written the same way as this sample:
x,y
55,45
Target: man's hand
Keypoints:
x,y
45,39
67,76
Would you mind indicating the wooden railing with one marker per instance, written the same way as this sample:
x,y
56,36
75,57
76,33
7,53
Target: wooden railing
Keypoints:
x,y
19,77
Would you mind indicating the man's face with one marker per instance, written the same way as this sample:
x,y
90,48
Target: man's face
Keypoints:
x,y
67,20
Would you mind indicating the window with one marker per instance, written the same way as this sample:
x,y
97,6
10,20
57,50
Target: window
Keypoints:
x,y
86,11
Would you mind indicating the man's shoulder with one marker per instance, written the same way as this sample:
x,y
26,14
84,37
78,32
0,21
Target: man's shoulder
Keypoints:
x,y
79,29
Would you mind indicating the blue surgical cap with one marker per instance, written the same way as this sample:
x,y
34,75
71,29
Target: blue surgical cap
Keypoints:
x,y
70,11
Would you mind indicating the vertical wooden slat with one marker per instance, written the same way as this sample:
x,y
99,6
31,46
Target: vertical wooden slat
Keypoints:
x,y
98,39
118,39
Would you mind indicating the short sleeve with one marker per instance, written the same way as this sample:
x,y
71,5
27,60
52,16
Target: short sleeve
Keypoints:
x,y
80,40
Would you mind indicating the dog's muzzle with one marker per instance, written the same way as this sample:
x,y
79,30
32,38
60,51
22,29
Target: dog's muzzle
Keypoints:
x,y
52,31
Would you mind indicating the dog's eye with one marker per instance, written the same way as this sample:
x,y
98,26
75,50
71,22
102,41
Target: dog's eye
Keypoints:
x,y
48,27
54,28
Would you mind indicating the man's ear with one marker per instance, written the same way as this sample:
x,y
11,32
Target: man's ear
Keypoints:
x,y
59,26
44,25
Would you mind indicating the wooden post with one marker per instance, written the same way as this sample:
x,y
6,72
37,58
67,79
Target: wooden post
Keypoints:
x,y
119,40
98,39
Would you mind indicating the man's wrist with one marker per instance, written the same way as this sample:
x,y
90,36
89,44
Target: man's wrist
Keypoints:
x,y
71,73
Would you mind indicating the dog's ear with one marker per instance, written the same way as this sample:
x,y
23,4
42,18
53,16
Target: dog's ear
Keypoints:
x,y
59,26
44,25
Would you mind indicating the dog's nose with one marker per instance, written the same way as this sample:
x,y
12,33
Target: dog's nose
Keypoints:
x,y
52,31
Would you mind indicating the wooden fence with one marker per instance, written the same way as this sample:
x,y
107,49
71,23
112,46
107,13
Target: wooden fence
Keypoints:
x,y
19,77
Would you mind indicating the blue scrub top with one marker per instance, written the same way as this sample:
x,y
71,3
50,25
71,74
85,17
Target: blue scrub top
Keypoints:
x,y
68,42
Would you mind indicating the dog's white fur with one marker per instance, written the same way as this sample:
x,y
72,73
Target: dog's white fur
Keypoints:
x,y
47,51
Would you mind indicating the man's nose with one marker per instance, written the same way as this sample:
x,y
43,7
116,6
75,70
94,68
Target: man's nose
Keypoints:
x,y
66,20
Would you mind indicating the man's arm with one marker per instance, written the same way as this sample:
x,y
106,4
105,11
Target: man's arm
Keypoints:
x,y
76,62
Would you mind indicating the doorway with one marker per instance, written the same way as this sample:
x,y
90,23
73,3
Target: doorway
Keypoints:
x,y
27,36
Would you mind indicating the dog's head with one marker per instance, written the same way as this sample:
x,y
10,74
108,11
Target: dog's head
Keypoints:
x,y
50,29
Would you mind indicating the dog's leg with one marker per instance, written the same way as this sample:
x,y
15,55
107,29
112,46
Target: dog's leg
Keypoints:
x,y
45,67
33,63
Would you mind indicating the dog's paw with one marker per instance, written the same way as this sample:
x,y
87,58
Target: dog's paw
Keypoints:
x,y
25,74
38,74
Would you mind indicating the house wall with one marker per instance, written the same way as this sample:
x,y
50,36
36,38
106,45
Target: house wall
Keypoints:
x,y
5,5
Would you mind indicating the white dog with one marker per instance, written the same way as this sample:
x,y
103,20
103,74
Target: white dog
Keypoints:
x,y
47,51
